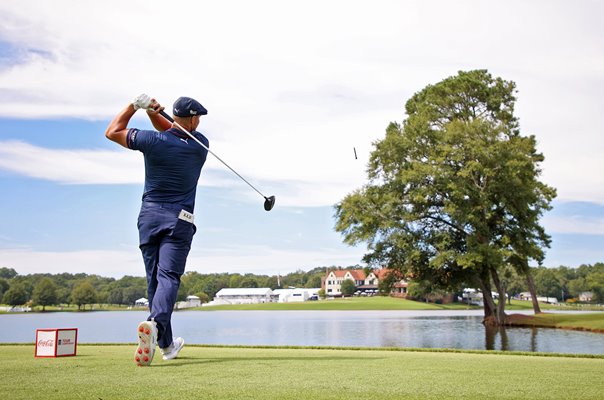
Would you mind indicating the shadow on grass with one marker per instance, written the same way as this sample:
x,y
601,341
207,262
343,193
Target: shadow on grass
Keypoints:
x,y
182,361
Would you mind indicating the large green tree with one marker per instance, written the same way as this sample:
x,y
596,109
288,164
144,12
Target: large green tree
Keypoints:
x,y
7,273
16,295
116,296
83,293
45,293
595,280
453,193
4,286
547,282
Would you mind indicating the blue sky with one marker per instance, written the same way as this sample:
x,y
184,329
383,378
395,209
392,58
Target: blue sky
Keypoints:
x,y
291,88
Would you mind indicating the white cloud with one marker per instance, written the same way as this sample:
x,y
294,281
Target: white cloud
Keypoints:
x,y
71,166
579,224
104,263
292,87
117,263
123,167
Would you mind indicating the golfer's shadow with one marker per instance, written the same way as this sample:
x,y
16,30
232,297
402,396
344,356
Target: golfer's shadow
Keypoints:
x,y
181,361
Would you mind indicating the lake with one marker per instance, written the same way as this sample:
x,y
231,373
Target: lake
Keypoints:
x,y
457,329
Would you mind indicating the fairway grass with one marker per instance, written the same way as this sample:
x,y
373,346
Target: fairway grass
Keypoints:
x,y
108,372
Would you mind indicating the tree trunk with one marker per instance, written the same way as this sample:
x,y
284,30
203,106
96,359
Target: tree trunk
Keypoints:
x,y
490,309
531,286
501,317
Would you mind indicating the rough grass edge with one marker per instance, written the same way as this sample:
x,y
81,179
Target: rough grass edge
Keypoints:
x,y
533,321
358,348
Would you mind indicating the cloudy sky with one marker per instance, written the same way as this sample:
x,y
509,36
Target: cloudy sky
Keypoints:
x,y
291,88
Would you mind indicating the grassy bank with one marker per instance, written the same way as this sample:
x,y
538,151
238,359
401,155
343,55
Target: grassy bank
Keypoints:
x,y
376,303
348,303
107,372
589,322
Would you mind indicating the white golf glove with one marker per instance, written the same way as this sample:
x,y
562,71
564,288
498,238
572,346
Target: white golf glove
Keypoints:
x,y
142,101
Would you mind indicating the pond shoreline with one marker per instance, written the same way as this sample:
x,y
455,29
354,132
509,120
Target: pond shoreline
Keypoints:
x,y
544,320
459,329
518,319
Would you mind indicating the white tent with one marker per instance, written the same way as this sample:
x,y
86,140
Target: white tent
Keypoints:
x,y
292,295
243,296
141,302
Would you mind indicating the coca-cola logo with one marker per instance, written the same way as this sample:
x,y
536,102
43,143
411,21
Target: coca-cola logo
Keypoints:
x,y
46,343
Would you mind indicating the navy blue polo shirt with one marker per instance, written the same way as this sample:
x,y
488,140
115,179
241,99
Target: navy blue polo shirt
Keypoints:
x,y
173,163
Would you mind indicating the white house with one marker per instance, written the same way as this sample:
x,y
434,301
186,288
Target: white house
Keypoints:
x,y
242,296
334,279
542,299
366,283
473,296
192,301
549,300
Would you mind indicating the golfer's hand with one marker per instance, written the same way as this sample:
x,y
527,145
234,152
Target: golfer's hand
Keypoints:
x,y
142,101
154,107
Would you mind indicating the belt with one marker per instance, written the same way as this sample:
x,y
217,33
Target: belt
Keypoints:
x,y
168,206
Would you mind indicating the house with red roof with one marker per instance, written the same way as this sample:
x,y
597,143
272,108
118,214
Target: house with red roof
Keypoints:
x,y
364,283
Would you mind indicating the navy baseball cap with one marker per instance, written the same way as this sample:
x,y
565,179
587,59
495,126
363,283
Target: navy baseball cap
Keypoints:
x,y
188,107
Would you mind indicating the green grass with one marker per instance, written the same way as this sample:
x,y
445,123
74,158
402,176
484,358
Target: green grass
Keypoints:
x,y
527,305
593,321
108,372
349,303
379,303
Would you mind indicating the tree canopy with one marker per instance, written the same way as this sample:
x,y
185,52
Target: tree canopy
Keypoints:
x,y
348,287
84,293
15,296
453,193
45,293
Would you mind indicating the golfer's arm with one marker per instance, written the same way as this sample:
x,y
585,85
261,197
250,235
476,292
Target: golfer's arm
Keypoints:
x,y
117,131
159,122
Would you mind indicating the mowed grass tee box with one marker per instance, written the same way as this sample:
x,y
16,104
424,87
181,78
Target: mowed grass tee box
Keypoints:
x,y
108,372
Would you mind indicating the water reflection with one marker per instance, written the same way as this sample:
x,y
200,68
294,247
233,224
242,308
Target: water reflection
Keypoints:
x,y
491,333
418,329
542,340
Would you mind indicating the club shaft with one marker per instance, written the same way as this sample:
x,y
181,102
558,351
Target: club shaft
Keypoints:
x,y
165,115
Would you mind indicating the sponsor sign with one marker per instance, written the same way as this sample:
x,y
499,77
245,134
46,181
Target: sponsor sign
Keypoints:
x,y
60,342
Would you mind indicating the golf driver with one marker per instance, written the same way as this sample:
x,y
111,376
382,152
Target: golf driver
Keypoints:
x,y
269,202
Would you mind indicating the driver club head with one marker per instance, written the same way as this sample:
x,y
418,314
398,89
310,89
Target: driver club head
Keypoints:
x,y
269,203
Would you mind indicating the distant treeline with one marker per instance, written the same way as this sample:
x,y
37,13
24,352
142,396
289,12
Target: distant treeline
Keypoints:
x,y
563,283
585,283
83,289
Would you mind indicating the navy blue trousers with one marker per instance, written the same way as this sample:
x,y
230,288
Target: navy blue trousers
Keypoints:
x,y
165,241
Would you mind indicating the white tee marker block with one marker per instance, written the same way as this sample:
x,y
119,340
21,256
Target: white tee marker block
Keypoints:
x,y
60,342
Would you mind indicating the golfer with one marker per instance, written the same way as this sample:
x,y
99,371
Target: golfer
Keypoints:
x,y
165,223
